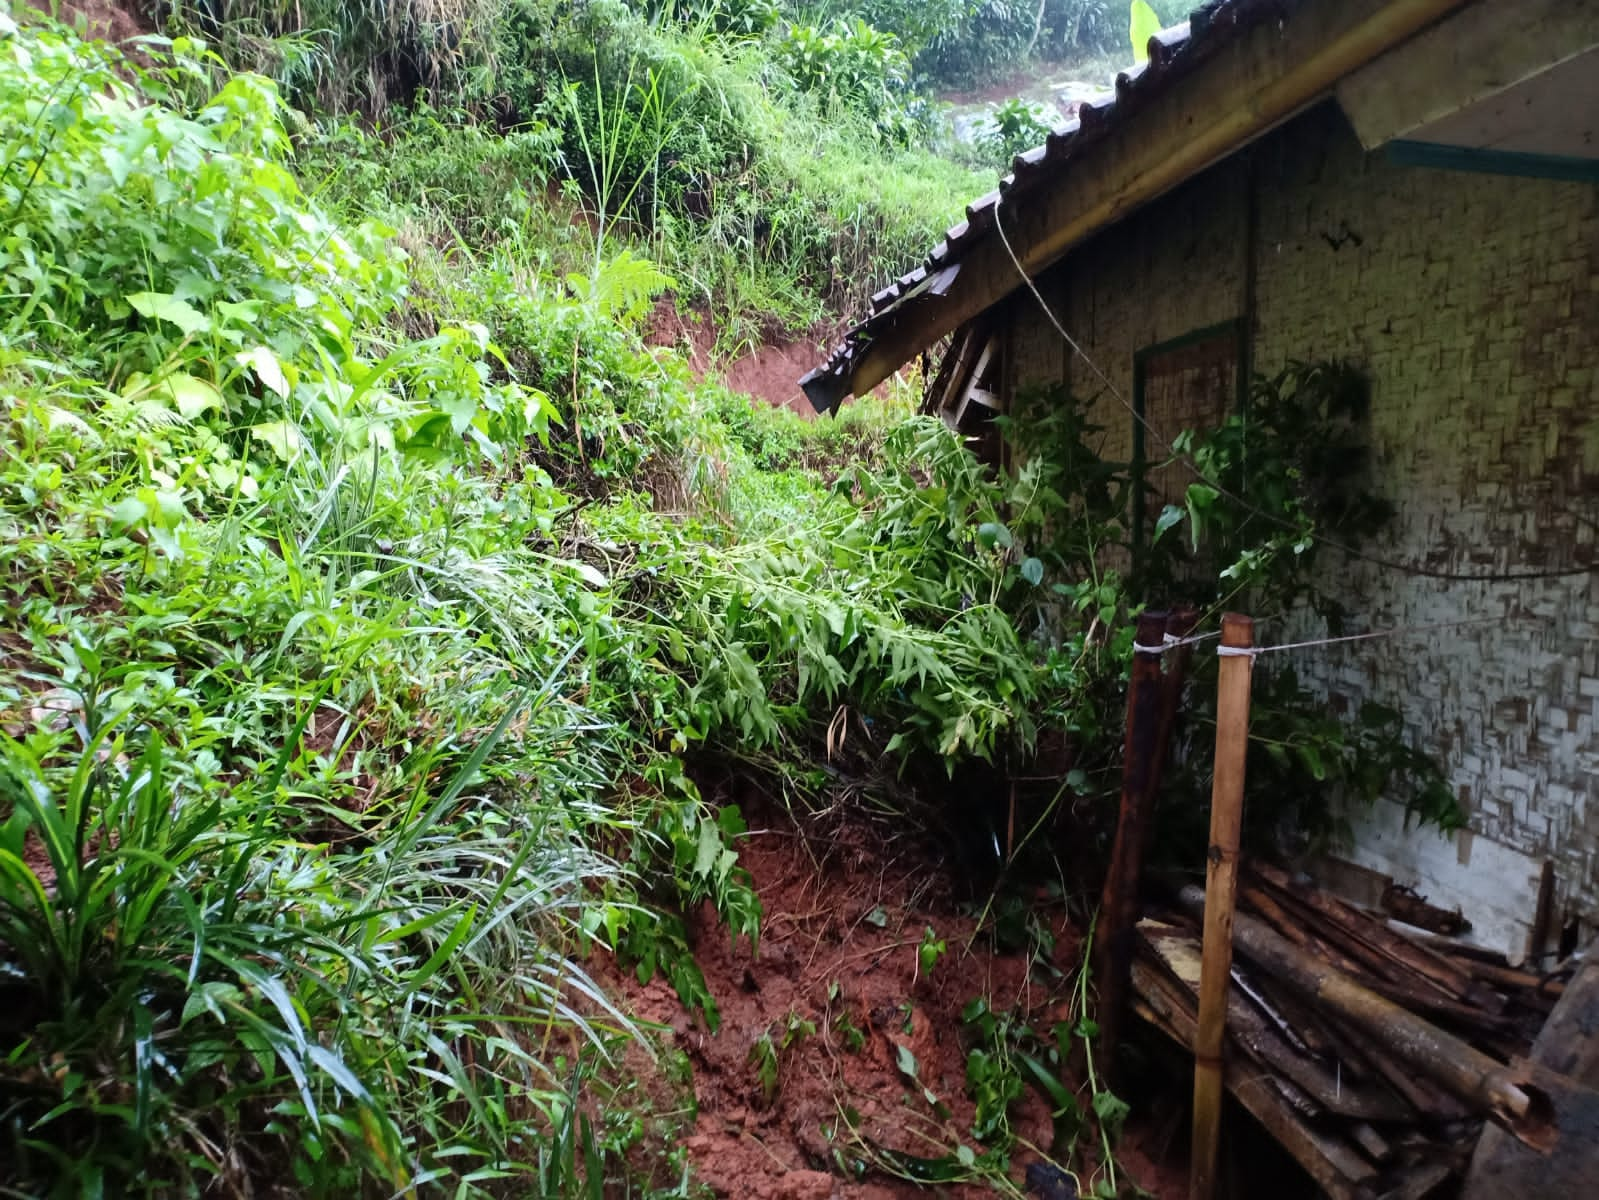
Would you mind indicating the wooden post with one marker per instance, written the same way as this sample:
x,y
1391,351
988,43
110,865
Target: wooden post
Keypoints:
x,y
1542,917
1118,904
1221,885
1180,624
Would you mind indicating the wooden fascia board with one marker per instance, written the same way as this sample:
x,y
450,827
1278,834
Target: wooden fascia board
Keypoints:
x,y
1249,86
1477,53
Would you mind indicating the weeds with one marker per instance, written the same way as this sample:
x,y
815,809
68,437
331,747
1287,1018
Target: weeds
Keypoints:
x,y
931,949
301,801
1007,1055
772,1046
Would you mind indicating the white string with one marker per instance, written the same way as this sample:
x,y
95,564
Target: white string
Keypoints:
x,y
1171,641
1252,651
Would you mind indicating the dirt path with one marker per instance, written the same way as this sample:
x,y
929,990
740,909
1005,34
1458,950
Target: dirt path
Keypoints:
x,y
864,1052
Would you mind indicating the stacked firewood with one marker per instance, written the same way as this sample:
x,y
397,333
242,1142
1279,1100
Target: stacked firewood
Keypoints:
x,y
1342,1096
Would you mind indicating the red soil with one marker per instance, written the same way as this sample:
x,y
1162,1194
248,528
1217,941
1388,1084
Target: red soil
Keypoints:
x,y
770,373
108,20
843,921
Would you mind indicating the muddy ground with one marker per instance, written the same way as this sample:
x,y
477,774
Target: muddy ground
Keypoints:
x,y
870,1050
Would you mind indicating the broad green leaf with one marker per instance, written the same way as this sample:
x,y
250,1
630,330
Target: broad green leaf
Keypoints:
x,y
127,511
991,534
1111,1111
163,306
1200,498
588,573
268,370
190,396
1169,516
710,847
282,436
1033,571
59,418
1143,24
241,312
461,407
211,997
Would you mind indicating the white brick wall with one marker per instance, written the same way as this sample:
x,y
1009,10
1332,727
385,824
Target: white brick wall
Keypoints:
x,y
1473,301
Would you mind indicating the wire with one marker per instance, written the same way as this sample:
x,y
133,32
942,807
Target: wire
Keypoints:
x,y
1377,560
1251,651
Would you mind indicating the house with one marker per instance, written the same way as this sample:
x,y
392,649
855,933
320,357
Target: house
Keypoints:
x,y
1409,184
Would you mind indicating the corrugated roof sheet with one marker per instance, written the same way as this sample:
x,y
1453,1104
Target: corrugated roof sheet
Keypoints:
x,y
1172,53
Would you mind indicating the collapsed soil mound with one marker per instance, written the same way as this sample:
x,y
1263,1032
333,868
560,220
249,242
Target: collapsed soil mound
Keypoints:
x,y
840,1067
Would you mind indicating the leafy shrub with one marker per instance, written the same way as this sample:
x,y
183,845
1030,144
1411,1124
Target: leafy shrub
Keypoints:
x,y
916,23
366,613
1017,126
857,67
766,203
296,758
475,184
993,36
742,19
1292,466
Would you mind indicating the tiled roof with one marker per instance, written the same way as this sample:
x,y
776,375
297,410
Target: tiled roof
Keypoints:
x,y
1172,53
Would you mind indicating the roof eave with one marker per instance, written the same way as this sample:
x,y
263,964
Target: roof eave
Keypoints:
x,y
1244,68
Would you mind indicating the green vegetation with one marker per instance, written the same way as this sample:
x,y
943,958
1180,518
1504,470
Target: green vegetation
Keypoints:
x,y
374,591
776,173
772,1046
981,40
354,646
1006,1055
1017,126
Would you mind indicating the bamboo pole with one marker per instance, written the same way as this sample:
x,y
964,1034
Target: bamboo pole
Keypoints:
x,y
1221,886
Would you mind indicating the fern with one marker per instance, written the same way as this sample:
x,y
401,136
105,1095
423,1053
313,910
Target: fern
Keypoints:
x,y
622,288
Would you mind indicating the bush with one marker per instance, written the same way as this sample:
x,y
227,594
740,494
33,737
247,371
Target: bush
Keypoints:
x,y
993,37
854,66
1018,126
740,19
296,757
